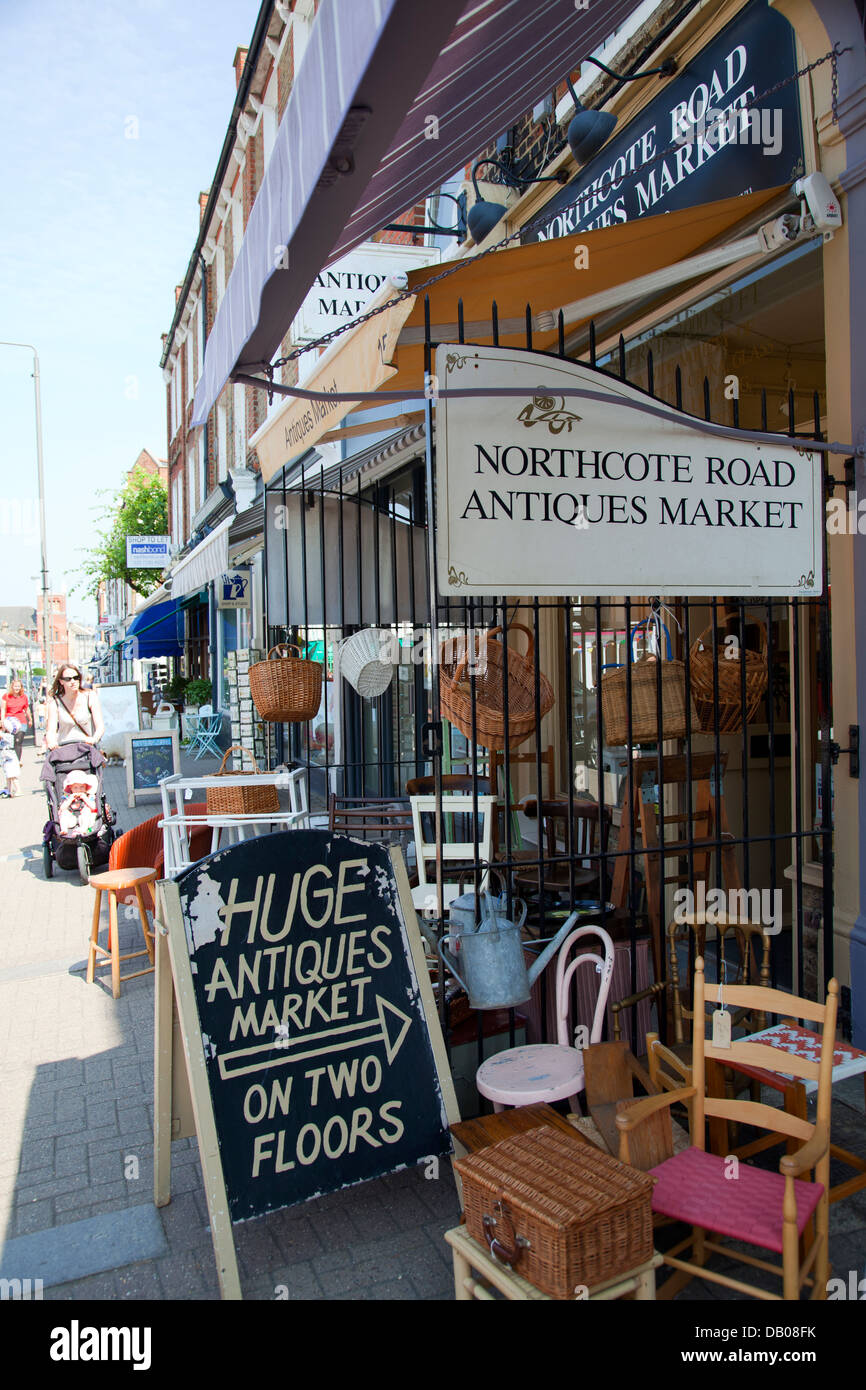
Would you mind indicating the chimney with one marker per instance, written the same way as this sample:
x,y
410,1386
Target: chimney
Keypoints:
x,y
202,204
177,292
239,62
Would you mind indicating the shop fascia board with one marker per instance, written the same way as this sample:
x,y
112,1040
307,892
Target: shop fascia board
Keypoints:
x,y
685,43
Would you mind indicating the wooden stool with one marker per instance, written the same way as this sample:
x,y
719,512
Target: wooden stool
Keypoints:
x,y
469,1256
112,883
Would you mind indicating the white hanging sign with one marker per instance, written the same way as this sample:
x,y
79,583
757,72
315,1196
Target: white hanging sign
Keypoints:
x,y
546,493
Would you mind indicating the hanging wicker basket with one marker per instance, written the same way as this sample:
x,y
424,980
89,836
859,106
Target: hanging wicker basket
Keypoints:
x,y
727,714
365,661
242,801
286,689
489,728
645,726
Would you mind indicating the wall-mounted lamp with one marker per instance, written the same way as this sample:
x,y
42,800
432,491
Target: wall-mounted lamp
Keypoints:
x,y
434,229
588,129
484,215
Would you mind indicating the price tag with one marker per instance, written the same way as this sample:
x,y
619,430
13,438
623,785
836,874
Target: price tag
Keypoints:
x,y
721,1028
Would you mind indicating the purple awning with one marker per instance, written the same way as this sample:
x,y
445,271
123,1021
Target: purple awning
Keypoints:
x,y
348,158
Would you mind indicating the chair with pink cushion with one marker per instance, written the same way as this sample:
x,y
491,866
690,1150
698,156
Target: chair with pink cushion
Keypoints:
x,y
545,1072
785,1212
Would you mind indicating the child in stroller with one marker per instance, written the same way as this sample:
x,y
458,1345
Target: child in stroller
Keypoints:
x,y
80,830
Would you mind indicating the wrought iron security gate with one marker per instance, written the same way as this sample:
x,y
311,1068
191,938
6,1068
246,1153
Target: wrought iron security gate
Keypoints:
x,y
351,556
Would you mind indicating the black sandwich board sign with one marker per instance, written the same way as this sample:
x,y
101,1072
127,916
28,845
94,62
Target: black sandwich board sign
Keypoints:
x,y
313,1052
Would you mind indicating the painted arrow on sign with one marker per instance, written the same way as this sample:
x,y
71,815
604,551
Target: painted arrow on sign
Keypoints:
x,y
385,1029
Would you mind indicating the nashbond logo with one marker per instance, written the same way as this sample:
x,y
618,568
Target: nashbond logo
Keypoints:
x,y
77,1343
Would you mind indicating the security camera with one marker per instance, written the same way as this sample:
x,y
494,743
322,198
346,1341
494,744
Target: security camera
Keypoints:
x,y
781,232
820,201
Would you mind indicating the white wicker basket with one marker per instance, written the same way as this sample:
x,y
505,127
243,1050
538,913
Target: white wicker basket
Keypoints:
x,y
362,664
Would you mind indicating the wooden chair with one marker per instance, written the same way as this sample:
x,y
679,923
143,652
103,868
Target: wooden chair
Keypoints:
x,y
457,783
582,831
458,852
510,808
766,1209
546,1072
746,934
381,818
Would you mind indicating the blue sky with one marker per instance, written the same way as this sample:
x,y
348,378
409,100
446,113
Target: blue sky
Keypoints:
x,y
97,229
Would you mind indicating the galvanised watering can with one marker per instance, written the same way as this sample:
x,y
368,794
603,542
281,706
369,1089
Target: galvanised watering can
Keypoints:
x,y
491,955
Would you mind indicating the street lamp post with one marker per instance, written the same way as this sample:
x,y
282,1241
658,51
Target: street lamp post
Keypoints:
x,y
46,619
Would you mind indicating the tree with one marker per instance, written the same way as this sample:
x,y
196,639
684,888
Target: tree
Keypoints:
x,y
140,508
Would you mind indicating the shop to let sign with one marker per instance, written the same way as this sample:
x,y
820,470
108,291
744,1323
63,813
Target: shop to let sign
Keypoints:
x,y
309,1010
547,492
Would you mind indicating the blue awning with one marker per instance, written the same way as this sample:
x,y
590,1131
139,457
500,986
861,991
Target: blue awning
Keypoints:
x,y
156,632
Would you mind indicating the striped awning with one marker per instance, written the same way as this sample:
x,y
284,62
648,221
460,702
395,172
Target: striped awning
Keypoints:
x,y
391,97
207,561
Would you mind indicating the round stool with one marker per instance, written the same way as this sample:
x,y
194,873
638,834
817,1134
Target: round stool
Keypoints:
x,y
113,882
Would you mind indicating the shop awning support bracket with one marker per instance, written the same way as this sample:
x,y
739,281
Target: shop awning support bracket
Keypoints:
x,y
849,482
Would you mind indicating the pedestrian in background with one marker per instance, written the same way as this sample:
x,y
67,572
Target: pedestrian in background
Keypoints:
x,y
40,711
15,712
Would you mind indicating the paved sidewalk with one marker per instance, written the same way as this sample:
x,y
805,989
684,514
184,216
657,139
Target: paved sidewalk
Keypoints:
x,y
76,1137
76,1114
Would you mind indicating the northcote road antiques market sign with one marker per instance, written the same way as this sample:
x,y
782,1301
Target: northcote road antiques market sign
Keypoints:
x,y
541,492
309,1008
708,157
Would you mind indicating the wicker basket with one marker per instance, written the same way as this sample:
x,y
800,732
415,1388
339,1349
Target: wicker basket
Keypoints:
x,y
644,704
242,801
365,661
561,1213
286,689
455,692
729,710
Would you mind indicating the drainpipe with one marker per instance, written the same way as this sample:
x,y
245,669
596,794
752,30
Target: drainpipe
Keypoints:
x,y
213,613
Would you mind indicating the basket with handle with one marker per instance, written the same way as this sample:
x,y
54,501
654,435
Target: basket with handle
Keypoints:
x,y
286,689
242,801
645,726
455,691
559,1213
729,711
365,661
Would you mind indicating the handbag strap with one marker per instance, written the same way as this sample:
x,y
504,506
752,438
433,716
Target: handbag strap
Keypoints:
x,y
74,720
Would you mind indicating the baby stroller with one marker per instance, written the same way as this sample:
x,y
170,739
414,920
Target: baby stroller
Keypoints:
x,y
79,833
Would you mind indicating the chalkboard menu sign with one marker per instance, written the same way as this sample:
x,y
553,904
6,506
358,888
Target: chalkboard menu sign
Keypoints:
x,y
149,758
317,1049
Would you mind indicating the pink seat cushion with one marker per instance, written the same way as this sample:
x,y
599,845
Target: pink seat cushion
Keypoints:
x,y
526,1075
692,1187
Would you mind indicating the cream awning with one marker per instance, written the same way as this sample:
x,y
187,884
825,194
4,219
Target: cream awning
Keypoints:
x,y
388,350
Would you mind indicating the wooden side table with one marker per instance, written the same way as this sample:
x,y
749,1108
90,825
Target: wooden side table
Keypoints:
x,y
113,882
475,1270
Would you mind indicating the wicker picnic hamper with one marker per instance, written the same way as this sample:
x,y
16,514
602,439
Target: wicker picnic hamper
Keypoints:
x,y
242,801
286,689
560,1213
455,691
729,709
644,700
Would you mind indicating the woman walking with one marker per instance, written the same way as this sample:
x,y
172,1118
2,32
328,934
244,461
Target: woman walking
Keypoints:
x,y
16,716
74,715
